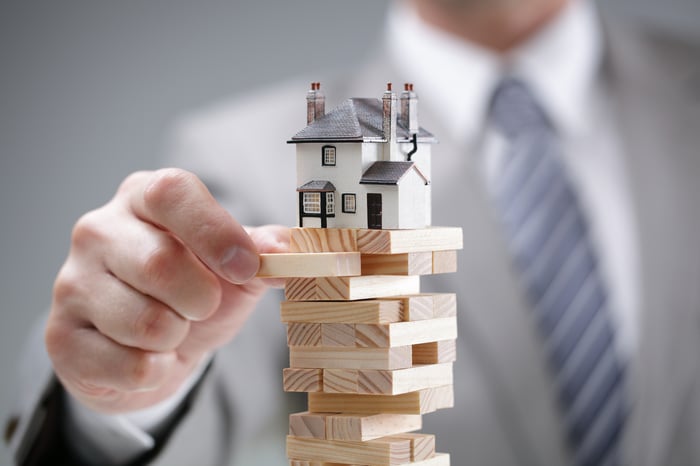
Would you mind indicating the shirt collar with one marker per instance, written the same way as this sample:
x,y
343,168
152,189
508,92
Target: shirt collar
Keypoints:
x,y
560,63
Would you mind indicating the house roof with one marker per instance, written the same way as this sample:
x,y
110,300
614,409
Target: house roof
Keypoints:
x,y
317,185
355,120
389,173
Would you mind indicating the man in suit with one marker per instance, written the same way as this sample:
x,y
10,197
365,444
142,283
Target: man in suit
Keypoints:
x,y
159,279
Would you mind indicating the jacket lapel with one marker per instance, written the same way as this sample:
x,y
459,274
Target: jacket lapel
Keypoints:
x,y
661,135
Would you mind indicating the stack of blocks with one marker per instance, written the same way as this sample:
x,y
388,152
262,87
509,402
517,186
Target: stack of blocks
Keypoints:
x,y
372,352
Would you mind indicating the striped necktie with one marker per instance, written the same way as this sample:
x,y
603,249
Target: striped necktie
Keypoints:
x,y
548,238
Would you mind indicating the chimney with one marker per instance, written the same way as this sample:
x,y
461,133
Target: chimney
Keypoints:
x,y
315,103
389,115
409,109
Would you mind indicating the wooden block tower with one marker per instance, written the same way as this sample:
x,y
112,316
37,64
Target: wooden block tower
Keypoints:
x,y
373,353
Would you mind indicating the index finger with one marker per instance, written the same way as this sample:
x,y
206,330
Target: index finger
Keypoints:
x,y
178,202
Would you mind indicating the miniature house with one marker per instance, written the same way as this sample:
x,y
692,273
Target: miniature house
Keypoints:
x,y
364,164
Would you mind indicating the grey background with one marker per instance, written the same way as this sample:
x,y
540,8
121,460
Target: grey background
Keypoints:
x,y
89,88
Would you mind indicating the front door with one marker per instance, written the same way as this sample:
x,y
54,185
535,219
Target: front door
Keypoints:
x,y
374,211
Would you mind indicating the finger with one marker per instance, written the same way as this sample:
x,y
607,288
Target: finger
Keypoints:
x,y
155,263
119,311
91,362
180,203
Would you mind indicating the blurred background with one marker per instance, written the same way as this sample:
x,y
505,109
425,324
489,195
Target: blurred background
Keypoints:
x,y
88,90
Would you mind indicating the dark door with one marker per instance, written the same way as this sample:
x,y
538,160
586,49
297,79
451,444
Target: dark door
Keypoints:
x,y
374,211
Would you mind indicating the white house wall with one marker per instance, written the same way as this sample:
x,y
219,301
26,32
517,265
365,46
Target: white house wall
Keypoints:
x,y
411,202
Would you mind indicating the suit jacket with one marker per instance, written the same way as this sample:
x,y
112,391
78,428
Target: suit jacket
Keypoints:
x,y
505,410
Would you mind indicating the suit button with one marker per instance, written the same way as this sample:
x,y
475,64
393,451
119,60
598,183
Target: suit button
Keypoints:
x,y
10,428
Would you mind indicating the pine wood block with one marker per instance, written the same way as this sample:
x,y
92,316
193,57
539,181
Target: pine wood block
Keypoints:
x,y
303,334
418,307
422,445
323,240
329,357
388,382
308,425
440,459
382,451
323,264
370,312
443,261
405,333
339,381
403,241
363,427
349,288
337,334
411,263
435,352
302,380
444,304
419,402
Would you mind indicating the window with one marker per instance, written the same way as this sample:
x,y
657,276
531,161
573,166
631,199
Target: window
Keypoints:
x,y
330,203
349,203
328,155
312,203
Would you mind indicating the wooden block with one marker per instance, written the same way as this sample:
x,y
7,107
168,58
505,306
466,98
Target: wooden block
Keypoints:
x,y
349,288
418,307
337,334
411,263
329,357
419,402
405,333
323,240
302,380
444,304
339,381
303,334
443,261
363,427
436,352
422,445
324,264
308,425
402,241
382,451
440,459
395,382
370,312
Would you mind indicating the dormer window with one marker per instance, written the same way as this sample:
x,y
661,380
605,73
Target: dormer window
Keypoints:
x,y
328,156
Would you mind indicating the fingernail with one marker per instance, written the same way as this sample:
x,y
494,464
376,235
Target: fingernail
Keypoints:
x,y
240,265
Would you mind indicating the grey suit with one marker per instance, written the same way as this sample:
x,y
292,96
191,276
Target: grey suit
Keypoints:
x,y
505,409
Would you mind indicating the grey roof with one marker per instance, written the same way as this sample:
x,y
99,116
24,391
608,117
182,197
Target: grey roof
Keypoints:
x,y
389,172
317,185
355,120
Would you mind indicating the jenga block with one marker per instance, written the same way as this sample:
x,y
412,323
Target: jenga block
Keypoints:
x,y
436,352
440,459
443,261
329,357
422,445
337,334
308,425
418,307
382,451
411,263
302,380
363,427
303,334
394,382
324,264
419,402
405,333
323,240
370,312
444,304
402,241
349,288
339,381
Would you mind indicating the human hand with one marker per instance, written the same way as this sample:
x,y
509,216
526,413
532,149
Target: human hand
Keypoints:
x,y
155,280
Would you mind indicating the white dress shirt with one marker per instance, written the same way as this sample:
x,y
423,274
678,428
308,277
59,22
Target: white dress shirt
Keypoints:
x,y
561,64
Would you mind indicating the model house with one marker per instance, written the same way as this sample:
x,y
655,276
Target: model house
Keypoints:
x,y
365,164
